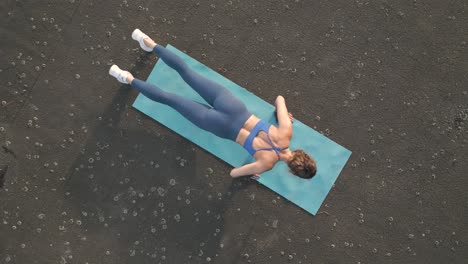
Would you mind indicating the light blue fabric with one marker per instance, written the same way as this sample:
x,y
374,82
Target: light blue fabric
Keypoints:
x,y
307,194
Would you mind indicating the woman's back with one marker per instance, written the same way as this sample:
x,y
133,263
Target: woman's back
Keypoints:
x,y
262,139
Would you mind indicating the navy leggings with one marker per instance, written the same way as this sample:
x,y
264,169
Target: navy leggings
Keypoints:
x,y
226,116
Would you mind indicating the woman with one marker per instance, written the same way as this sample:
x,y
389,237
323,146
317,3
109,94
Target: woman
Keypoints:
x,y
227,118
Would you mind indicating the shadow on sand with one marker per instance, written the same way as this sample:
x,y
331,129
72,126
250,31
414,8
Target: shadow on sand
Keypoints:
x,y
138,204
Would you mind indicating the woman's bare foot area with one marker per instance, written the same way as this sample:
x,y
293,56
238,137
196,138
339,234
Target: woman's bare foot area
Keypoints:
x,y
149,42
130,79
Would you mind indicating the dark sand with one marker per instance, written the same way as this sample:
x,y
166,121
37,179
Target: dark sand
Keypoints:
x,y
87,179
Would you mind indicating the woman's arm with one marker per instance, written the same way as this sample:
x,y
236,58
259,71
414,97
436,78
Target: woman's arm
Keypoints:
x,y
284,117
249,169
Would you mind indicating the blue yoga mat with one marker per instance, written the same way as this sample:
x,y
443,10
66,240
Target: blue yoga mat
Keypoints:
x,y
307,194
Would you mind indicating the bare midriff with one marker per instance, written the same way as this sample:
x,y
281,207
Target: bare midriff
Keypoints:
x,y
261,139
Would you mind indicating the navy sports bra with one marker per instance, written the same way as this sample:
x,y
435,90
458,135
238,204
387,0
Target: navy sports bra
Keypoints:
x,y
260,126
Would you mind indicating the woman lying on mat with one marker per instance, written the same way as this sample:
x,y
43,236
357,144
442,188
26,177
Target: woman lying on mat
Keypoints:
x,y
229,118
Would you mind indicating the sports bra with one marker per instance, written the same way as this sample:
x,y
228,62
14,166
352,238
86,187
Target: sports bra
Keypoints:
x,y
260,126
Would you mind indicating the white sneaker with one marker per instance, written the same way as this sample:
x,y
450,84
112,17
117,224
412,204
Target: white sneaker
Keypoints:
x,y
119,74
140,36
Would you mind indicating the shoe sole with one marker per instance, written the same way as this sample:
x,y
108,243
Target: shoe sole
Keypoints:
x,y
142,44
113,68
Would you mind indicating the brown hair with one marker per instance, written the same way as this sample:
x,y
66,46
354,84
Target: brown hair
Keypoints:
x,y
302,165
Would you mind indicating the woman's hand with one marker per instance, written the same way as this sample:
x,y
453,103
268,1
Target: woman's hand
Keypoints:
x,y
291,117
255,176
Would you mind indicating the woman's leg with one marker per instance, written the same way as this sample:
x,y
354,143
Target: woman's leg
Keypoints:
x,y
207,89
234,111
200,115
214,93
